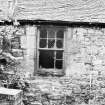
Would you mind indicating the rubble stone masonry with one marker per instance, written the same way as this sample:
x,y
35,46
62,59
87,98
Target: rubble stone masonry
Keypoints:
x,y
84,67
85,51
84,79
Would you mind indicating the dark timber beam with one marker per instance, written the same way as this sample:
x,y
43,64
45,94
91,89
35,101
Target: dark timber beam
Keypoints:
x,y
57,23
62,23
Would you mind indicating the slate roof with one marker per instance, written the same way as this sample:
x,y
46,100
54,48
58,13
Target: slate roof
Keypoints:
x,y
64,10
3,10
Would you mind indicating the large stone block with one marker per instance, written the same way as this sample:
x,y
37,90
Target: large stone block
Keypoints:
x,y
10,96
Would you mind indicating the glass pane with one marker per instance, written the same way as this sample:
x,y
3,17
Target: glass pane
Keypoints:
x,y
59,54
59,64
60,34
15,45
51,34
16,39
46,59
59,44
43,43
43,33
51,43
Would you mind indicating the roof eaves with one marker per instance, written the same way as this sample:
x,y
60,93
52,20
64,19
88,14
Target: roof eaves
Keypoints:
x,y
62,23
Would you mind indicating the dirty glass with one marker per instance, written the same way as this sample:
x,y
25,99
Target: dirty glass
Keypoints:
x,y
59,54
43,43
51,43
51,34
59,64
60,34
43,33
46,59
59,44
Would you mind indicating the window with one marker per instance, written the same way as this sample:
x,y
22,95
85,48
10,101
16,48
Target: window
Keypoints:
x,y
15,43
51,48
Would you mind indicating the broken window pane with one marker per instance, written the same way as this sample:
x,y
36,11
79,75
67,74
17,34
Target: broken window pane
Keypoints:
x,y
59,64
51,34
43,43
51,43
43,33
46,59
60,34
59,54
59,44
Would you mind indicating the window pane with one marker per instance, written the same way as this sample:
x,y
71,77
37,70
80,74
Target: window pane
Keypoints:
x,y
60,34
15,43
51,43
46,59
43,33
59,54
59,44
16,39
51,34
43,43
59,64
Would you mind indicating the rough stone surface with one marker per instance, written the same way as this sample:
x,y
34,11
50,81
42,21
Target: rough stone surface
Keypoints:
x,y
67,90
84,81
86,51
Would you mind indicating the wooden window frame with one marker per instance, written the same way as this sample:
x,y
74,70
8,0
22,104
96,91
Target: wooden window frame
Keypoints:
x,y
54,49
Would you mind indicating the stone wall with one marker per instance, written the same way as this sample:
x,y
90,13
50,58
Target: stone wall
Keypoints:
x,y
85,50
30,48
57,90
84,66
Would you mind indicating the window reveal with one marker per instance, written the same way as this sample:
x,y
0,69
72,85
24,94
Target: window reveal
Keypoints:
x,y
51,48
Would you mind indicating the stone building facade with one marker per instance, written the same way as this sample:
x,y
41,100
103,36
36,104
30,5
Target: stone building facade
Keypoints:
x,y
67,48
83,49
56,38
83,52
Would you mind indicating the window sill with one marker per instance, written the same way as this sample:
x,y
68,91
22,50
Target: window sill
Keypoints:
x,y
51,72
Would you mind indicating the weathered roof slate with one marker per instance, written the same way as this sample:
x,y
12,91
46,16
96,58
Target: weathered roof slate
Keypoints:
x,y
64,10
3,10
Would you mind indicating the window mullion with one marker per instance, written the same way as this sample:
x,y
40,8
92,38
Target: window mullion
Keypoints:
x,y
47,38
55,40
54,59
55,52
